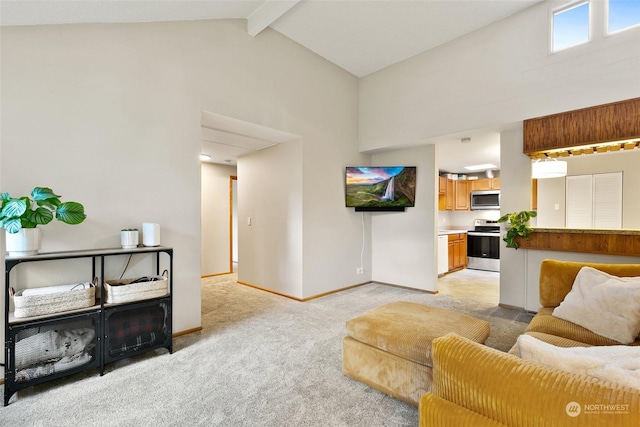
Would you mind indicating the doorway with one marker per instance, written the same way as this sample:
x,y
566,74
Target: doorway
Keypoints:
x,y
233,224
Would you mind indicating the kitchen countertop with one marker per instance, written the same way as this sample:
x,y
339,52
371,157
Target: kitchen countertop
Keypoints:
x,y
620,231
446,232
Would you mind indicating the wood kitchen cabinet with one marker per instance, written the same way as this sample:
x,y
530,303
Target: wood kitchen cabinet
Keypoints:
x,y
453,195
462,190
446,194
485,184
457,251
442,185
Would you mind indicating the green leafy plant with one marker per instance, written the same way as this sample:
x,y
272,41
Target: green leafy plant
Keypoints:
x,y
39,209
517,226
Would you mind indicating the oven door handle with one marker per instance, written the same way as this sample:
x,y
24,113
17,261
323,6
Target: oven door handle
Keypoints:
x,y
481,234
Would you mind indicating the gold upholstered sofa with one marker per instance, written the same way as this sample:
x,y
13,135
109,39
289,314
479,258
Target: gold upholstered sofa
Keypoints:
x,y
556,280
474,385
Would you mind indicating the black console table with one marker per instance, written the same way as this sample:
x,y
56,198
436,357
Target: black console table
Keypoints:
x,y
102,329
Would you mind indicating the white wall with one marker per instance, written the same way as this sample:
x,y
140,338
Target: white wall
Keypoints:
x,y
110,115
103,114
270,193
551,195
492,78
515,195
497,75
463,220
332,233
215,217
404,248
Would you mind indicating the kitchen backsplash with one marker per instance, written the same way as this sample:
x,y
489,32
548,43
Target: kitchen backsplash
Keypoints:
x,y
463,220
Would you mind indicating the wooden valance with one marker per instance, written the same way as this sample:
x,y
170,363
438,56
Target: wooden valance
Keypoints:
x,y
618,121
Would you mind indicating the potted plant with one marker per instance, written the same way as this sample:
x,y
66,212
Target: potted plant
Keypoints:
x,y
517,227
20,216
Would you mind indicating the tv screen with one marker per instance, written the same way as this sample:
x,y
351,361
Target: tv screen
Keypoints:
x,y
380,188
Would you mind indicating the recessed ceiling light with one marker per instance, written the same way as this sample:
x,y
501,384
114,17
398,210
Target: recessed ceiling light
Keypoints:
x,y
481,167
205,157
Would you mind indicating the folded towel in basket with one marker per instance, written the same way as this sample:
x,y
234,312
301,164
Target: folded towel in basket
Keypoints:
x,y
55,289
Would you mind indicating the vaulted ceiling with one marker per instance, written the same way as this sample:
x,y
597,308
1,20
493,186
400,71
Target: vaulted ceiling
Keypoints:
x,y
361,36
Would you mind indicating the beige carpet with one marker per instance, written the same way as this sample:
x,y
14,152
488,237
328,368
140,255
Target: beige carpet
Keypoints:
x,y
260,360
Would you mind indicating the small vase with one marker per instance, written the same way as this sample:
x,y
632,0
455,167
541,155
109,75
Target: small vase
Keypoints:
x,y
129,239
150,234
23,243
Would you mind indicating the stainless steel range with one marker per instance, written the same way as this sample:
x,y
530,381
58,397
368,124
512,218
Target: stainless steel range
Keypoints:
x,y
483,245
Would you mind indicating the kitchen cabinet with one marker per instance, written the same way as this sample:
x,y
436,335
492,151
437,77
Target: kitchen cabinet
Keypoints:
x,y
485,184
453,195
462,189
446,194
442,185
457,251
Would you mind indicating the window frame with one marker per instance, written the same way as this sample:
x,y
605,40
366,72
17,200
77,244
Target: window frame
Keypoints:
x,y
607,31
563,8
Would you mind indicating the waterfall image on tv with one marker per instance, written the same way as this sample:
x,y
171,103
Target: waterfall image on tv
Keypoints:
x,y
380,187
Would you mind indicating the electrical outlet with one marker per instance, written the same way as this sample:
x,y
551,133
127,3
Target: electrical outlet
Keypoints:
x,y
359,270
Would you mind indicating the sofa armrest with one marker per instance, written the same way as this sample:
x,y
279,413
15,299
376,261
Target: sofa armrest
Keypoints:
x,y
512,391
435,411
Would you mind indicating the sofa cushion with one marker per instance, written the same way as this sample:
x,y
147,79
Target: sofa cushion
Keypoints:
x,y
619,364
605,304
546,323
556,277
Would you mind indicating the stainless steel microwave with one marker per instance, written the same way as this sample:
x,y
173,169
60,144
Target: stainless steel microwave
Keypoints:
x,y
485,200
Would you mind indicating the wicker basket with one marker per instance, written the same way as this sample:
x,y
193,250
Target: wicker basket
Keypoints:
x,y
55,300
127,290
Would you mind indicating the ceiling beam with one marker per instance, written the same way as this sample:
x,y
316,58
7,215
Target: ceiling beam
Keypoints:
x,y
267,14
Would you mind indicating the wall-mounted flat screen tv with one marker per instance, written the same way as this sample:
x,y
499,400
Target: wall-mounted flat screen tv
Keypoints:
x,y
380,188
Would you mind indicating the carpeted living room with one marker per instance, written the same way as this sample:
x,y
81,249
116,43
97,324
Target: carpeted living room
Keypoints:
x,y
260,359
264,359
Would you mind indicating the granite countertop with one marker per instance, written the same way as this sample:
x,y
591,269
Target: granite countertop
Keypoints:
x,y
442,232
622,231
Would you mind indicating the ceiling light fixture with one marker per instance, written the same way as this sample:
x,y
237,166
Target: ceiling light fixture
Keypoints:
x,y
204,157
481,167
548,168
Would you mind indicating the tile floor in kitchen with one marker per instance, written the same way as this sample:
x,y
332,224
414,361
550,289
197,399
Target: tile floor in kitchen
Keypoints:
x,y
478,285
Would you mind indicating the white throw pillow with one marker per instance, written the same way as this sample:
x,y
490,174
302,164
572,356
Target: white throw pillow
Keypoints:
x,y
605,304
616,363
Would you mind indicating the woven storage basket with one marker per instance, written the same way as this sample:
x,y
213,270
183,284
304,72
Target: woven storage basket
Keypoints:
x,y
55,301
123,290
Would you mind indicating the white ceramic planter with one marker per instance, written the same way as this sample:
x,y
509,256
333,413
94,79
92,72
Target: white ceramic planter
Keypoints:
x,y
23,243
129,239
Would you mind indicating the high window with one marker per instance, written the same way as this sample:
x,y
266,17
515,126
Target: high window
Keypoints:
x,y
622,14
570,25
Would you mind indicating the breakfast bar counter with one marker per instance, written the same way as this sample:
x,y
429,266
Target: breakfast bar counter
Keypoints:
x,y
625,242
